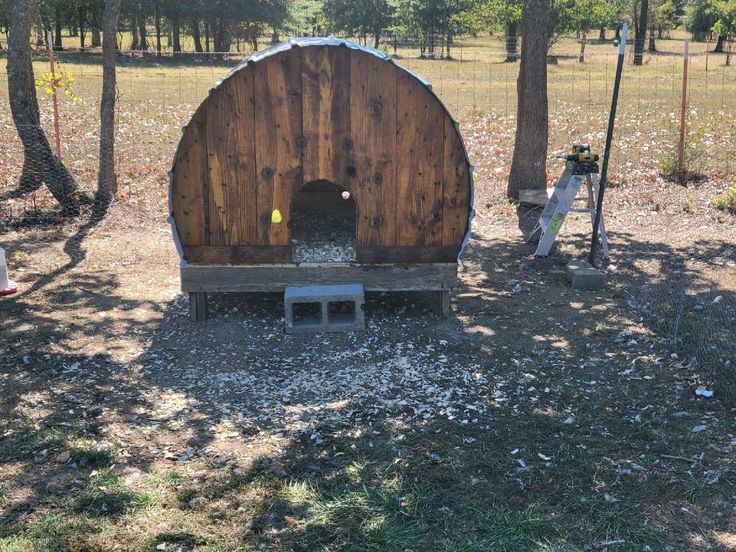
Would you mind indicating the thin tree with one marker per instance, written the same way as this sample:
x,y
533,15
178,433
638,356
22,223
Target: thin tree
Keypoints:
x,y
107,181
529,163
641,32
40,165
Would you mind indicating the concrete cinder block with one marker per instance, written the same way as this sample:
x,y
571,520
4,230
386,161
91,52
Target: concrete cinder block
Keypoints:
x,y
583,275
576,264
329,308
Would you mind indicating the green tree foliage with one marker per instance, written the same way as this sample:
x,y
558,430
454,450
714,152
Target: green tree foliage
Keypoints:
x,y
432,21
359,17
725,26
700,17
503,17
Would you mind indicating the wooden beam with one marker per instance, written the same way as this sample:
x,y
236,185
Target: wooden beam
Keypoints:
x,y
442,303
198,306
237,254
422,277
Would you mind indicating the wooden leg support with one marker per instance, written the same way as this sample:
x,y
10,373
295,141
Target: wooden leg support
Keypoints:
x,y
442,303
198,306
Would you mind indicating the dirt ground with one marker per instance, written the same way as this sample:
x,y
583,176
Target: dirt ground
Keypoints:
x,y
535,417
559,414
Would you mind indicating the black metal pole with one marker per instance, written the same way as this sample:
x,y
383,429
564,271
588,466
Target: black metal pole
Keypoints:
x,y
609,139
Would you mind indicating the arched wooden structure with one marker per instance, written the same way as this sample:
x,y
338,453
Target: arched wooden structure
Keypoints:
x,y
318,110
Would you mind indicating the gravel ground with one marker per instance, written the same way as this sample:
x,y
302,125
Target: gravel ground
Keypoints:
x,y
318,239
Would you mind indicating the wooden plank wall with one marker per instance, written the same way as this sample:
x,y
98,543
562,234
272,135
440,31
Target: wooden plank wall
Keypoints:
x,y
321,113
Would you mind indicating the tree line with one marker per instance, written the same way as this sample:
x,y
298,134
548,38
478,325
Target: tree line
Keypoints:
x,y
433,25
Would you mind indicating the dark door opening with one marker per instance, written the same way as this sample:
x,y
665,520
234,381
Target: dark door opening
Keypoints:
x,y
323,224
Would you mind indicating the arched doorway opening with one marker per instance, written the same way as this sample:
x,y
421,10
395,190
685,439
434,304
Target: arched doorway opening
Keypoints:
x,y
323,224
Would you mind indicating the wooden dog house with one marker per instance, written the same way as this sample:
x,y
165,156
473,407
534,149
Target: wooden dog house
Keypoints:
x,y
320,111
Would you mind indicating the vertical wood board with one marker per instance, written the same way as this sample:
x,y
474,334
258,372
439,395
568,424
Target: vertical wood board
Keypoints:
x,y
278,141
326,114
420,148
455,187
189,183
231,162
373,90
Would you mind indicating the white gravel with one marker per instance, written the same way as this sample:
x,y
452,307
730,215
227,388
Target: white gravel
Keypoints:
x,y
322,240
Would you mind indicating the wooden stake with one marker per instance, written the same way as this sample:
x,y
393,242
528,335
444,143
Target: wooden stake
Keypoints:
x,y
683,115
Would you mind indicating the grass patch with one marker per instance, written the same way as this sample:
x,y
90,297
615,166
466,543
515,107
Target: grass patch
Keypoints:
x,y
612,519
53,533
82,451
106,496
726,201
25,444
88,453
498,528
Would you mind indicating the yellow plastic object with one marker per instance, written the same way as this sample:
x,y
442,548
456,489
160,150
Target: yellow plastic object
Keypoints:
x,y
276,217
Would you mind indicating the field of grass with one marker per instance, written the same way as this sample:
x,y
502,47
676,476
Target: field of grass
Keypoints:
x,y
534,419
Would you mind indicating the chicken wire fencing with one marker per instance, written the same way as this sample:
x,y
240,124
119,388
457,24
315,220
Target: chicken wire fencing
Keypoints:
x,y
156,96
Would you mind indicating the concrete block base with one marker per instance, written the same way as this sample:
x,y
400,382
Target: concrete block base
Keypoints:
x,y
319,309
583,275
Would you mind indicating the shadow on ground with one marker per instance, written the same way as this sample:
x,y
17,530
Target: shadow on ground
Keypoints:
x,y
534,418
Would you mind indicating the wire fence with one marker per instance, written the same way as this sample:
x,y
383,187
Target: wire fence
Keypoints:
x,y
688,298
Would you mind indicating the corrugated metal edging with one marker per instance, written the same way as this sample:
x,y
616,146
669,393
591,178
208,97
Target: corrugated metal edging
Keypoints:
x,y
329,41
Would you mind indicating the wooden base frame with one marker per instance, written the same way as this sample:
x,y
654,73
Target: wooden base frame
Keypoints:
x,y
198,280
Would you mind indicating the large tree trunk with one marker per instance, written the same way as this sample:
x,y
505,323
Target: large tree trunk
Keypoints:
x,y
157,24
133,31
719,44
652,37
529,163
512,31
82,31
40,165
641,33
142,28
581,56
196,34
176,32
107,184
57,30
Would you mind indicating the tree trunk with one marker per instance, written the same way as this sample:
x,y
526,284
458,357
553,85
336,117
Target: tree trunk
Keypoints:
x,y
57,30
82,30
41,34
528,166
176,30
207,35
602,34
142,29
652,39
134,31
581,57
196,34
96,37
157,24
617,33
719,45
641,33
512,30
39,164
107,185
